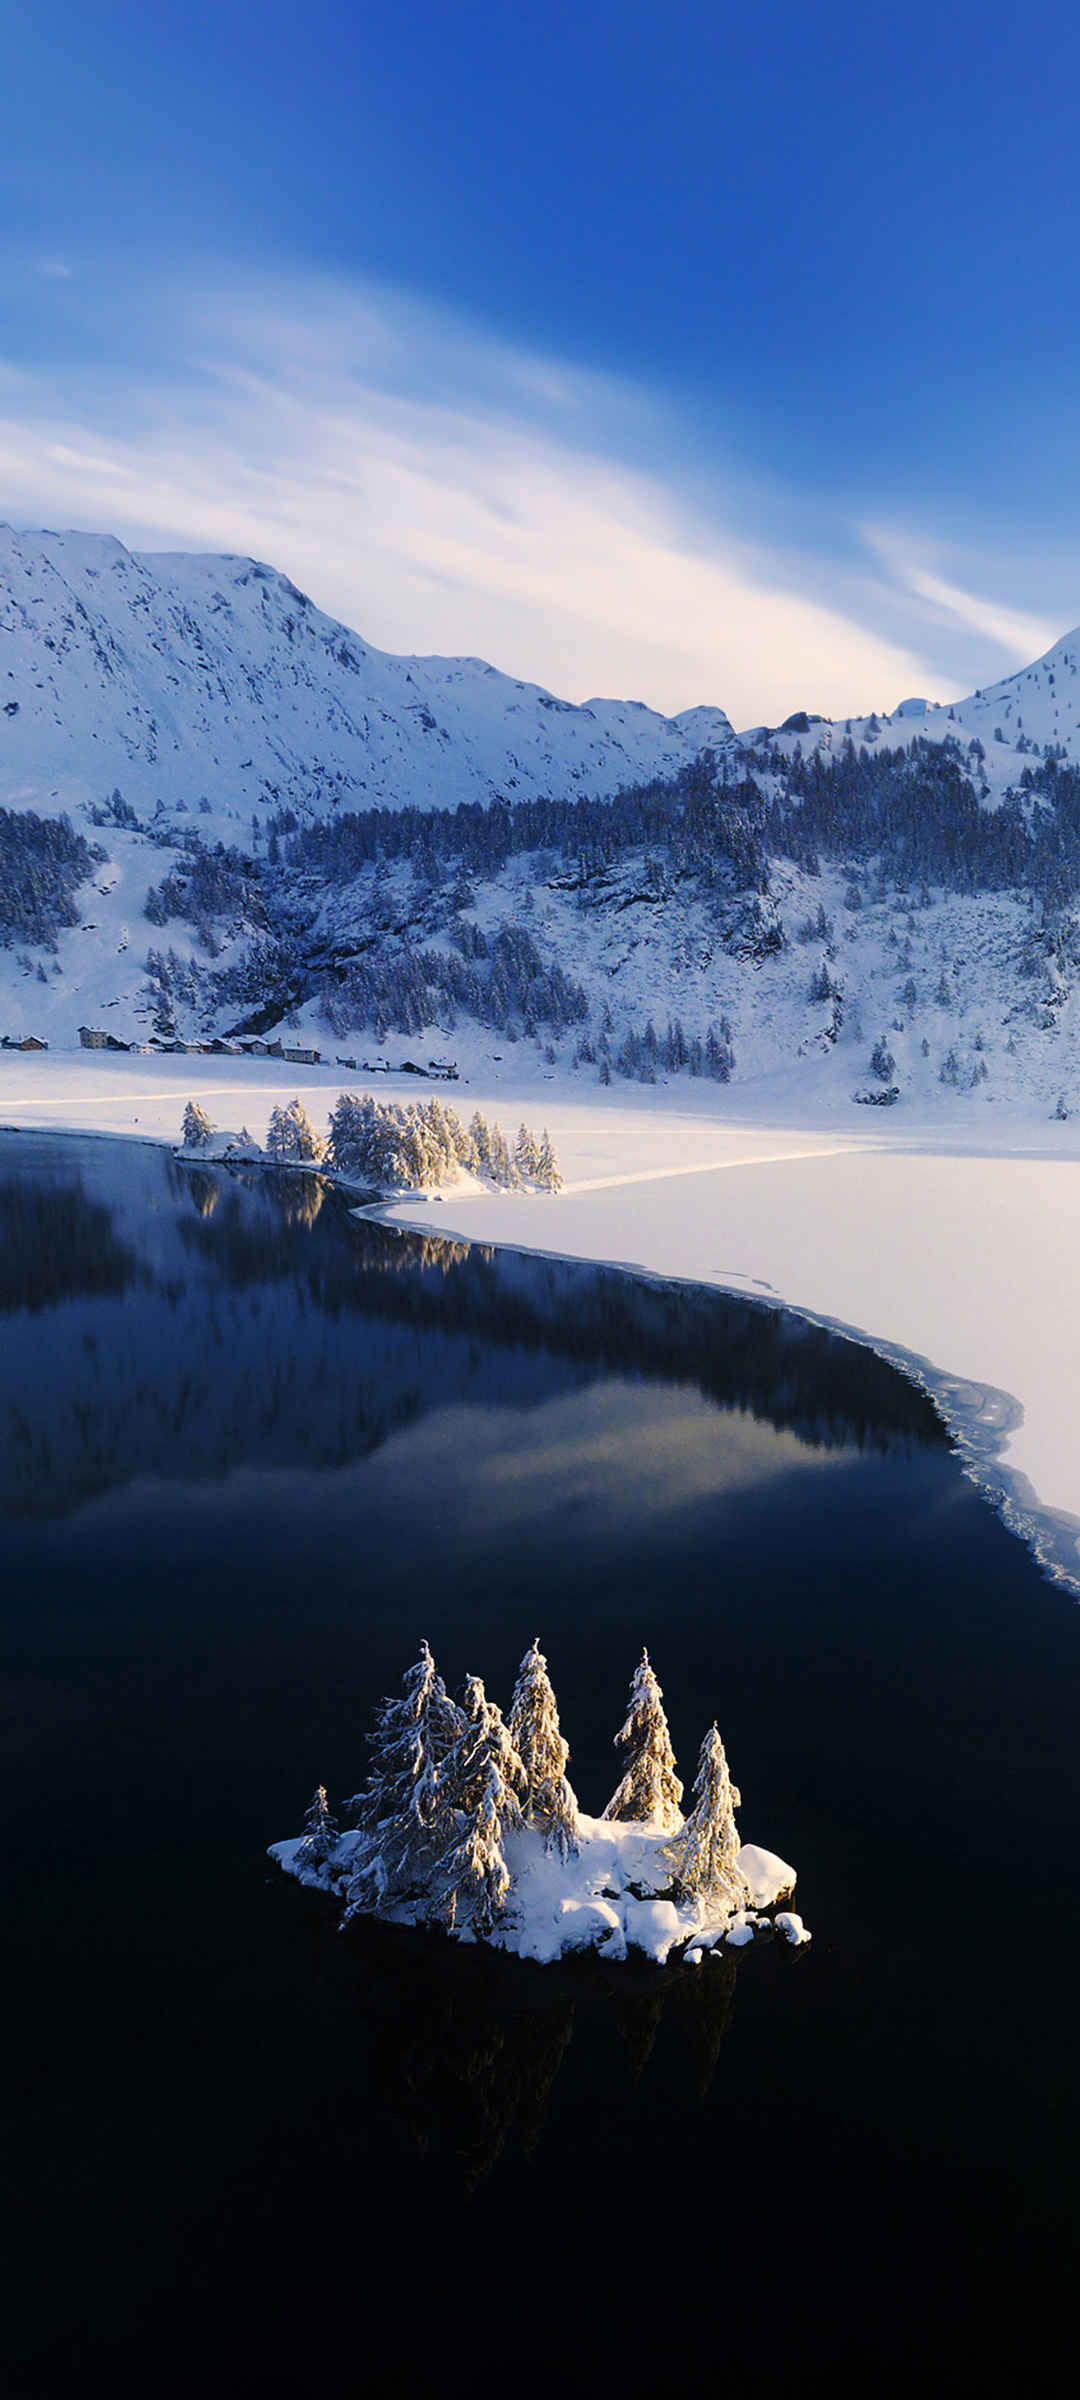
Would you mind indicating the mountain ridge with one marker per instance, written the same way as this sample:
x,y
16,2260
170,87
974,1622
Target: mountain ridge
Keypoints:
x,y
186,678
221,811
1023,712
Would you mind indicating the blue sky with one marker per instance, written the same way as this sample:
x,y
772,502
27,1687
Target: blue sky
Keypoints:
x,y
682,352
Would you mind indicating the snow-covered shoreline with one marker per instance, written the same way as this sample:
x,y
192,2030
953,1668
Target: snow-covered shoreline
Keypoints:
x,y
613,1897
952,1259
978,1417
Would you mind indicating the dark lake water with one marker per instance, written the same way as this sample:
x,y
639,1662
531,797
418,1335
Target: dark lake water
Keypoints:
x,y
253,1450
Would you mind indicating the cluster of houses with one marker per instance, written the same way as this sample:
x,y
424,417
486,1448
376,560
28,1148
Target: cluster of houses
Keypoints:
x,y
95,1037
437,1070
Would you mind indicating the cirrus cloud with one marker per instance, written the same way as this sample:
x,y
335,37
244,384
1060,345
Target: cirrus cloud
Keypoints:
x,y
440,490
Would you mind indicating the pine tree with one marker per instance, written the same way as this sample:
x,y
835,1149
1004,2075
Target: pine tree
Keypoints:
x,y
706,1853
320,1831
533,1726
306,1145
343,1145
548,1175
442,1141
503,1167
197,1129
292,1137
650,1790
403,1807
526,1152
481,1141
484,1776
461,1139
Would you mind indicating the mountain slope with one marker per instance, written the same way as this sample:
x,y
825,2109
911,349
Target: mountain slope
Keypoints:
x,y
1036,709
189,680
852,920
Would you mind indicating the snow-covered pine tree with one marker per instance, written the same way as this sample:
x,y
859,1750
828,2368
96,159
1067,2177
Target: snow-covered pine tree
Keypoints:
x,y
320,1831
460,1137
533,1726
650,1790
706,1852
503,1169
548,1175
481,1141
343,1147
483,1777
304,1143
292,1137
441,1137
526,1151
403,1807
197,1129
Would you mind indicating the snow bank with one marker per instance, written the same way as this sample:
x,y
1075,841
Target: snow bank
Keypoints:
x,y
614,1897
766,1876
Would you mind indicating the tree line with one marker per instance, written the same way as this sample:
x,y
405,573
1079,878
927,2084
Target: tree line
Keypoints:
x,y
393,1146
42,863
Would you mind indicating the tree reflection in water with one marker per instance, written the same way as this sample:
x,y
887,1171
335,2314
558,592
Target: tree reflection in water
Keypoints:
x,y
57,1244
467,2047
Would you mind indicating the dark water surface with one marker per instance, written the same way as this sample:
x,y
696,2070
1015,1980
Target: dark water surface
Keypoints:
x,y
251,1452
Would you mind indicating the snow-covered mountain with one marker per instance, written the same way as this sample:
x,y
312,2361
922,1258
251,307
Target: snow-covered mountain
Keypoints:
x,y
215,742
1036,708
184,680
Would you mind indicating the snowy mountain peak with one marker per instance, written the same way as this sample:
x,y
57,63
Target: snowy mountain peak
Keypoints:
x,y
1040,702
1034,710
213,682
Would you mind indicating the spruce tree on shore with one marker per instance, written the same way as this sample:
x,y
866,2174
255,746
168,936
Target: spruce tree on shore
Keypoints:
x,y
403,1807
197,1129
533,1726
292,1137
706,1853
548,1173
320,1830
526,1151
484,1778
650,1790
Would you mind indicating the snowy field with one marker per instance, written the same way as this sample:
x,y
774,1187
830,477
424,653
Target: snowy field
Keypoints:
x,y
950,1249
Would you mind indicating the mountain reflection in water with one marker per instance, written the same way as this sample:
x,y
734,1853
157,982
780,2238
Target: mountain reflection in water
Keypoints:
x,y
212,1320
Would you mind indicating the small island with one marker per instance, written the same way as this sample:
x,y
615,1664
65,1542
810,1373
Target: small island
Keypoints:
x,y
467,1821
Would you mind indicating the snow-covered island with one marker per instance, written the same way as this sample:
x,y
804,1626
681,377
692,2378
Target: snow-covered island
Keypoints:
x,y
383,1145
468,1821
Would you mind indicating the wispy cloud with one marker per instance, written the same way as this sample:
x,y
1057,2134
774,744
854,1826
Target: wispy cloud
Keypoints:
x,y
441,490
1024,636
1019,634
